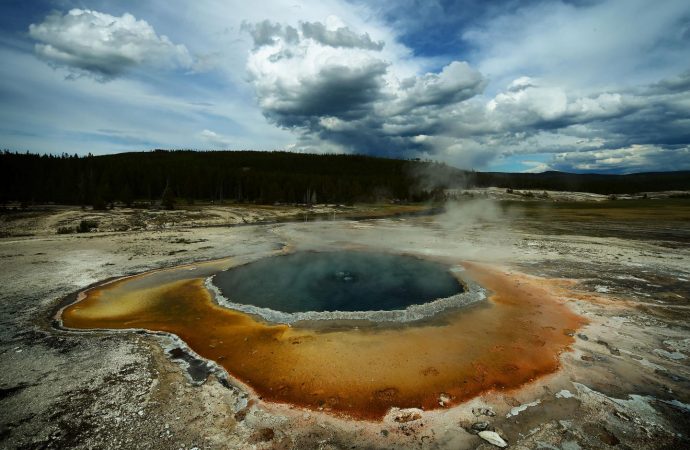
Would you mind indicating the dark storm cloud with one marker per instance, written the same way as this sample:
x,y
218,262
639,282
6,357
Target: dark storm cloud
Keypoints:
x,y
680,83
335,91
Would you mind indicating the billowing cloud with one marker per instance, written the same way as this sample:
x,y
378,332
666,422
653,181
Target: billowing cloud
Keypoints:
x,y
502,84
326,82
332,85
456,82
95,43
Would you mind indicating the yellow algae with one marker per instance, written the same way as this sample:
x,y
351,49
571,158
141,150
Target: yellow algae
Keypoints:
x,y
514,337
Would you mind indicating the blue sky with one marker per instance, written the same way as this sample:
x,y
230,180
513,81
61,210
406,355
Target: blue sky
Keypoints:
x,y
582,86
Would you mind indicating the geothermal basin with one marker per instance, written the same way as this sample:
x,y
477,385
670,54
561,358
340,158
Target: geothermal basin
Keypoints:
x,y
349,333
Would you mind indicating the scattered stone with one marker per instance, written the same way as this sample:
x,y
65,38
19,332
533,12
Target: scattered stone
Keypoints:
x,y
443,399
493,438
682,345
483,412
518,409
408,415
480,426
674,356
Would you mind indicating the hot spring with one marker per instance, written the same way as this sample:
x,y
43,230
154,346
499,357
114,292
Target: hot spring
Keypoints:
x,y
337,281
269,324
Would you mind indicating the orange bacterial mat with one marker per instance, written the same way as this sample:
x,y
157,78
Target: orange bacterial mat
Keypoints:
x,y
360,372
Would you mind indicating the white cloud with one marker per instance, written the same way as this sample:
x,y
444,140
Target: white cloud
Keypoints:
x,y
597,45
529,104
535,166
106,46
215,140
338,35
556,77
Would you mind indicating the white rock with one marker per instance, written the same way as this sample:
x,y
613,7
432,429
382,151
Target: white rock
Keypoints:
x,y
518,409
493,438
443,399
564,394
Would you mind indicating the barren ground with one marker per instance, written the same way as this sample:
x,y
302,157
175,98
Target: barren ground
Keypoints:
x,y
623,265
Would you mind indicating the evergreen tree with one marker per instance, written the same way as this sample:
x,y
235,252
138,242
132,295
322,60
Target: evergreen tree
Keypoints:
x,y
168,198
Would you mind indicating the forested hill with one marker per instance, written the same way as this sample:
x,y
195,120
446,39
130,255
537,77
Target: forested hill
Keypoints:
x,y
587,182
268,177
243,176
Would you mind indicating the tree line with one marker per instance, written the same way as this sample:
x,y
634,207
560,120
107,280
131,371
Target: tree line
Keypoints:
x,y
219,176
166,177
587,182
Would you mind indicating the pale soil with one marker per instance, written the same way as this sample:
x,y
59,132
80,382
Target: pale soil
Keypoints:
x,y
627,377
57,219
495,193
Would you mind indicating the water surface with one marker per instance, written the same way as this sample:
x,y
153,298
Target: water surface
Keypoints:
x,y
337,281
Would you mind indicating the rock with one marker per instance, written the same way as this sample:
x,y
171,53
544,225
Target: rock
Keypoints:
x,y
408,415
493,438
480,426
483,412
564,393
583,336
443,399
518,409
